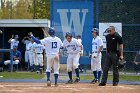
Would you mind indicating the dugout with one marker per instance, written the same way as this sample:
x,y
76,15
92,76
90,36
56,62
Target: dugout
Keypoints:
x,y
21,27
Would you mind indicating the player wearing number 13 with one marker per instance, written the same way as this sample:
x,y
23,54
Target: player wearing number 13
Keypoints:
x,y
52,46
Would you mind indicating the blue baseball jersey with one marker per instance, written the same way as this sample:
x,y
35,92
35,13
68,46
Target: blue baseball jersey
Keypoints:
x,y
17,53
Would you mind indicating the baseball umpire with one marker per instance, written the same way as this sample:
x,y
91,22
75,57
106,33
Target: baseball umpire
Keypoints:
x,y
97,46
113,40
52,45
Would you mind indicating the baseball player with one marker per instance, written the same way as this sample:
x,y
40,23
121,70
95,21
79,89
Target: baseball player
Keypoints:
x,y
14,41
72,46
38,48
16,58
26,41
52,46
97,46
80,41
30,47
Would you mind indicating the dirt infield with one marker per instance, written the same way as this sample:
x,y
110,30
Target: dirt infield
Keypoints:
x,y
66,88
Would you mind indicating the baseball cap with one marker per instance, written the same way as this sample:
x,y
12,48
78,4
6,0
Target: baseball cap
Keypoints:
x,y
95,30
14,46
16,36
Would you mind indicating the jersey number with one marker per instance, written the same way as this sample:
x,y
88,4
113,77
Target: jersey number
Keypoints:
x,y
54,44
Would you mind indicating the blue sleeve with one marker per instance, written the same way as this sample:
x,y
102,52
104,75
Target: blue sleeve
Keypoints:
x,y
35,40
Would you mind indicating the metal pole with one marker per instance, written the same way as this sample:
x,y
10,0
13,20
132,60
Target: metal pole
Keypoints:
x,y
97,13
11,58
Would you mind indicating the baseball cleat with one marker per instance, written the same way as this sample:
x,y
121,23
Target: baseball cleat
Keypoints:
x,y
69,82
94,81
77,80
56,85
37,72
48,83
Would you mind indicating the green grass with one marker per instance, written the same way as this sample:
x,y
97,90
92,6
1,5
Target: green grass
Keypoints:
x,y
110,77
21,75
29,75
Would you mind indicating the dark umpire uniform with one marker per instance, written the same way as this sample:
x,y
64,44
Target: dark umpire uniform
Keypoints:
x,y
112,57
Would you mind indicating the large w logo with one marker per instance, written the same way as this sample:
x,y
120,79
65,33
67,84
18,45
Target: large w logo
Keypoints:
x,y
72,20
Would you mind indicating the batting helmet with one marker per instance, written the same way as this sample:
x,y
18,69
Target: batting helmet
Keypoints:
x,y
68,34
95,30
51,31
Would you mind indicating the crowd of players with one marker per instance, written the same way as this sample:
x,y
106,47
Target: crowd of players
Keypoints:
x,y
53,45
33,54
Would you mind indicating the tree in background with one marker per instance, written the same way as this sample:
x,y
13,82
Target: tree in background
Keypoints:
x,y
25,9
40,9
21,10
5,9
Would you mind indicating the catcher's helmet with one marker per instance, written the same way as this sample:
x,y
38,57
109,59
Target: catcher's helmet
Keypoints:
x,y
51,31
68,34
95,30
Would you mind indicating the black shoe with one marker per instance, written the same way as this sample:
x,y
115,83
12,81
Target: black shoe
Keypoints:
x,y
69,82
94,81
102,84
81,71
115,84
48,83
77,80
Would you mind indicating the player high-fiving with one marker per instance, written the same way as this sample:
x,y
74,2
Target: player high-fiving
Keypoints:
x,y
52,46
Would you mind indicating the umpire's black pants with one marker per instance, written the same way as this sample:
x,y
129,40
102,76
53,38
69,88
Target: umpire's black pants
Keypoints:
x,y
111,60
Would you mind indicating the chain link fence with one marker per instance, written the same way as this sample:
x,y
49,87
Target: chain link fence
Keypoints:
x,y
126,12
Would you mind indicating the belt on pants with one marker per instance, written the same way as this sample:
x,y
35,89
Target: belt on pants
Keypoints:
x,y
72,53
39,53
112,52
95,52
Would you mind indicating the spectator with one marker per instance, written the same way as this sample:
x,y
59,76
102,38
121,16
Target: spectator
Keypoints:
x,y
137,62
14,42
16,59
